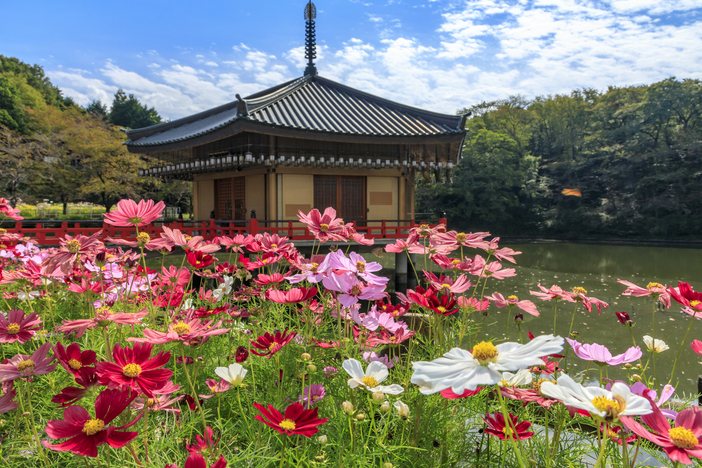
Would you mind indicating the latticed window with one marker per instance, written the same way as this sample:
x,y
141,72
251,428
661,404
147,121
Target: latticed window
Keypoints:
x,y
345,194
230,199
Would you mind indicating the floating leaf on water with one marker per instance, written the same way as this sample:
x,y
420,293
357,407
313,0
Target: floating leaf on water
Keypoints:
x,y
378,252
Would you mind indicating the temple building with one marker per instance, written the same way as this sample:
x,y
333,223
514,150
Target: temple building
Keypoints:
x,y
307,143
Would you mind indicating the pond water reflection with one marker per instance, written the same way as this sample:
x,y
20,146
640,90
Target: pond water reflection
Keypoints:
x,y
596,268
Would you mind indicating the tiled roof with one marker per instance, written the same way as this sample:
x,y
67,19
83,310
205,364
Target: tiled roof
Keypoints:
x,y
313,104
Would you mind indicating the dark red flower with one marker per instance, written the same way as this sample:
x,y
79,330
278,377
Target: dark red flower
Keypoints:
x,y
135,368
202,443
420,295
17,326
191,402
326,344
72,359
686,296
271,344
264,260
199,260
394,310
86,434
296,420
624,319
242,354
497,427
444,304
87,378
196,460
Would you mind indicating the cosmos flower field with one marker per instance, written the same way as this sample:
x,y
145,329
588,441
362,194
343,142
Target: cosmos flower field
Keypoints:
x,y
251,354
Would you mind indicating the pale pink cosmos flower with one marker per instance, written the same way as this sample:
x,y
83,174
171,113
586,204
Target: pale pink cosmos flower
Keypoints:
x,y
7,210
71,248
143,240
402,245
358,265
188,331
161,401
579,294
473,302
352,289
103,317
457,286
274,243
601,355
195,243
642,390
22,365
653,289
323,226
370,356
129,213
554,292
455,240
491,270
235,243
511,301
174,277
312,271
492,248
216,387
18,327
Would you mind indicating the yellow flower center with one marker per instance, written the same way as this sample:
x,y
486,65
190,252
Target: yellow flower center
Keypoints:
x,y
73,245
578,290
485,353
683,438
512,298
74,364
132,370
3,231
455,261
610,407
273,345
355,290
695,303
461,237
275,246
446,285
361,267
651,286
150,402
28,364
187,238
143,238
441,309
93,426
181,328
537,386
313,267
324,227
287,424
13,328
369,381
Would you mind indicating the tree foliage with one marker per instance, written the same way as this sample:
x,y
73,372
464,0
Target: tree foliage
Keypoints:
x,y
127,111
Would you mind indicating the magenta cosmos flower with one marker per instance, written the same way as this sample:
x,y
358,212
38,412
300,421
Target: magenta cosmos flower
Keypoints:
x,y
17,326
134,368
7,210
129,213
323,226
290,297
6,403
352,289
23,365
601,355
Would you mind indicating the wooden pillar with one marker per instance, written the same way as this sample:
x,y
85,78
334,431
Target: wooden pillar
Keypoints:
x,y
271,196
411,278
402,198
410,193
401,272
196,199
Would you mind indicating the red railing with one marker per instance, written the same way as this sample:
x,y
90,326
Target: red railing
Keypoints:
x,y
49,232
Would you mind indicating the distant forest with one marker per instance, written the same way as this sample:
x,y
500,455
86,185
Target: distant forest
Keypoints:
x,y
623,163
626,162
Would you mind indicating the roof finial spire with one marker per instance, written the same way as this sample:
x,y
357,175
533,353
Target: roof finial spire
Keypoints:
x,y
310,39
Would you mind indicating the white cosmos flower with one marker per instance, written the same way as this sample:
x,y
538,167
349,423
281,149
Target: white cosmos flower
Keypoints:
x,y
460,370
521,378
224,288
375,373
234,374
402,409
606,404
657,346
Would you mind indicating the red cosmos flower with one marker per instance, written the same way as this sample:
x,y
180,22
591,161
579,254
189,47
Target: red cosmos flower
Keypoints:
x,y
202,443
17,326
22,365
129,213
7,210
135,368
196,460
497,427
263,280
325,226
170,298
679,442
242,354
271,344
86,433
451,395
296,420
444,304
72,359
420,295
686,296
86,378
292,296
71,248
190,331
266,259
624,319
387,308
199,260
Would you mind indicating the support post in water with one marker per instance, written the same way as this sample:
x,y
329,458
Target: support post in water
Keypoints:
x,y
401,271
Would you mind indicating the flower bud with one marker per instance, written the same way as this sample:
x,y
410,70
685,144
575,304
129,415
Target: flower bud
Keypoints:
x,y
322,439
636,378
385,407
519,318
402,409
639,366
574,333
378,396
319,458
387,465
627,366
360,416
311,368
347,407
305,356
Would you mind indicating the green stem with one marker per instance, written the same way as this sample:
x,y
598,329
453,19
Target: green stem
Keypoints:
x,y
653,337
603,445
513,435
682,343
192,391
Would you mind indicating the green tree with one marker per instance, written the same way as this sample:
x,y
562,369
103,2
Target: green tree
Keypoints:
x,y
128,112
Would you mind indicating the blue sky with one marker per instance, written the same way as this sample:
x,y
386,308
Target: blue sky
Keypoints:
x,y
184,57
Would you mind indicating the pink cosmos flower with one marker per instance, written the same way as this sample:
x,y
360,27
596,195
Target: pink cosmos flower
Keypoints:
x,y
446,263
95,287
687,297
143,240
554,292
528,395
235,243
352,289
324,227
357,264
158,403
653,289
195,243
457,286
191,332
274,243
129,213
370,356
313,271
292,296
7,210
216,387
103,317
71,248
457,239
680,442
402,245
601,355
640,389
6,403
264,280
17,327
174,276
22,365
492,248
491,270
473,302
696,346
588,302
511,301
